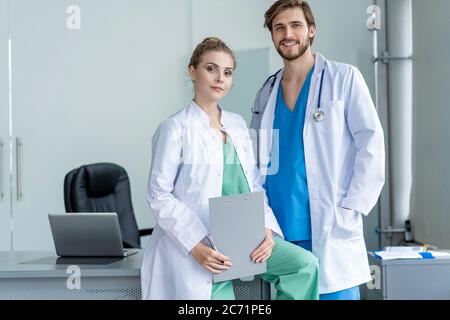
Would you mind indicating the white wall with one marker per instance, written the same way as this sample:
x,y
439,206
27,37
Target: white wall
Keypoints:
x,y
431,147
239,23
92,95
342,33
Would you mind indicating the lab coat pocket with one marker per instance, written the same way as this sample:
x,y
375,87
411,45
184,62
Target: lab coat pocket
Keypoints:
x,y
347,224
333,121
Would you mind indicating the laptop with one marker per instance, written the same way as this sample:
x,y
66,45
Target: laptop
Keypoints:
x,y
88,235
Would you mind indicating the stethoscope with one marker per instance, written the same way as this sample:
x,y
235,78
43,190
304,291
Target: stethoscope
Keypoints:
x,y
319,115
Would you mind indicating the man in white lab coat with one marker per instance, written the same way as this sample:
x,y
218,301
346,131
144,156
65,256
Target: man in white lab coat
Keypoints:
x,y
321,149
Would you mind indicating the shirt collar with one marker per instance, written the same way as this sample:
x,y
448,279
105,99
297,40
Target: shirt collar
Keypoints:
x,y
319,65
198,112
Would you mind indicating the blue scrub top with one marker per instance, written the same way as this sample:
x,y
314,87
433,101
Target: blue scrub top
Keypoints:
x,y
287,190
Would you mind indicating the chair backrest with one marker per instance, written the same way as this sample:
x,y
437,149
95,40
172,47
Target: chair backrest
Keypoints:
x,y
102,187
67,190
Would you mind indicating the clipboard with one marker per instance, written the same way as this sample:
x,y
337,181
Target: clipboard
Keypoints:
x,y
237,227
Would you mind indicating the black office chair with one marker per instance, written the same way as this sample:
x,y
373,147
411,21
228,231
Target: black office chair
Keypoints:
x,y
104,187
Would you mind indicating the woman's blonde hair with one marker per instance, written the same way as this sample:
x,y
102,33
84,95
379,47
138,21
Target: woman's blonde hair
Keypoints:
x,y
207,45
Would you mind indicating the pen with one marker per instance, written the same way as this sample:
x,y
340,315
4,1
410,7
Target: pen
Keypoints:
x,y
211,241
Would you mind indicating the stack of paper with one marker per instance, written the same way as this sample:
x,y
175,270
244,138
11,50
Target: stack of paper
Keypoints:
x,y
405,252
398,254
439,254
405,248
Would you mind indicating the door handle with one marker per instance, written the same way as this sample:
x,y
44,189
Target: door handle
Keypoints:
x,y
18,168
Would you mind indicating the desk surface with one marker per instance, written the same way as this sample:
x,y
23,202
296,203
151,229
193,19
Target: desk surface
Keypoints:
x,y
409,279
26,264
435,261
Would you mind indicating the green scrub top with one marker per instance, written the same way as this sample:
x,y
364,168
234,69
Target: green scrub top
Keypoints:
x,y
234,180
292,270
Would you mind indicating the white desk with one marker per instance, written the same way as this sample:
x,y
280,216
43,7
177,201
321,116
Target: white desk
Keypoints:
x,y
415,279
41,275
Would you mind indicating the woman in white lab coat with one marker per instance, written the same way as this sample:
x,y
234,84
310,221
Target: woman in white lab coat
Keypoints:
x,y
199,153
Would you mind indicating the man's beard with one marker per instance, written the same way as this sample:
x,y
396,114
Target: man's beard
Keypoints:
x,y
304,46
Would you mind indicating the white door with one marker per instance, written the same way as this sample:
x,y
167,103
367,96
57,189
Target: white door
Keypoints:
x,y
5,203
91,81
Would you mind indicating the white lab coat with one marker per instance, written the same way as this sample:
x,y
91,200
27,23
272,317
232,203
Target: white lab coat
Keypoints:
x,y
344,158
187,167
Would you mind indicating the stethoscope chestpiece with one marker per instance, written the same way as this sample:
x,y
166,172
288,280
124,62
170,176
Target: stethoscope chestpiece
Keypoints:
x,y
318,116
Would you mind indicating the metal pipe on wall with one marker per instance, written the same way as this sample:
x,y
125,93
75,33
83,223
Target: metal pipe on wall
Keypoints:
x,y
400,86
376,23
